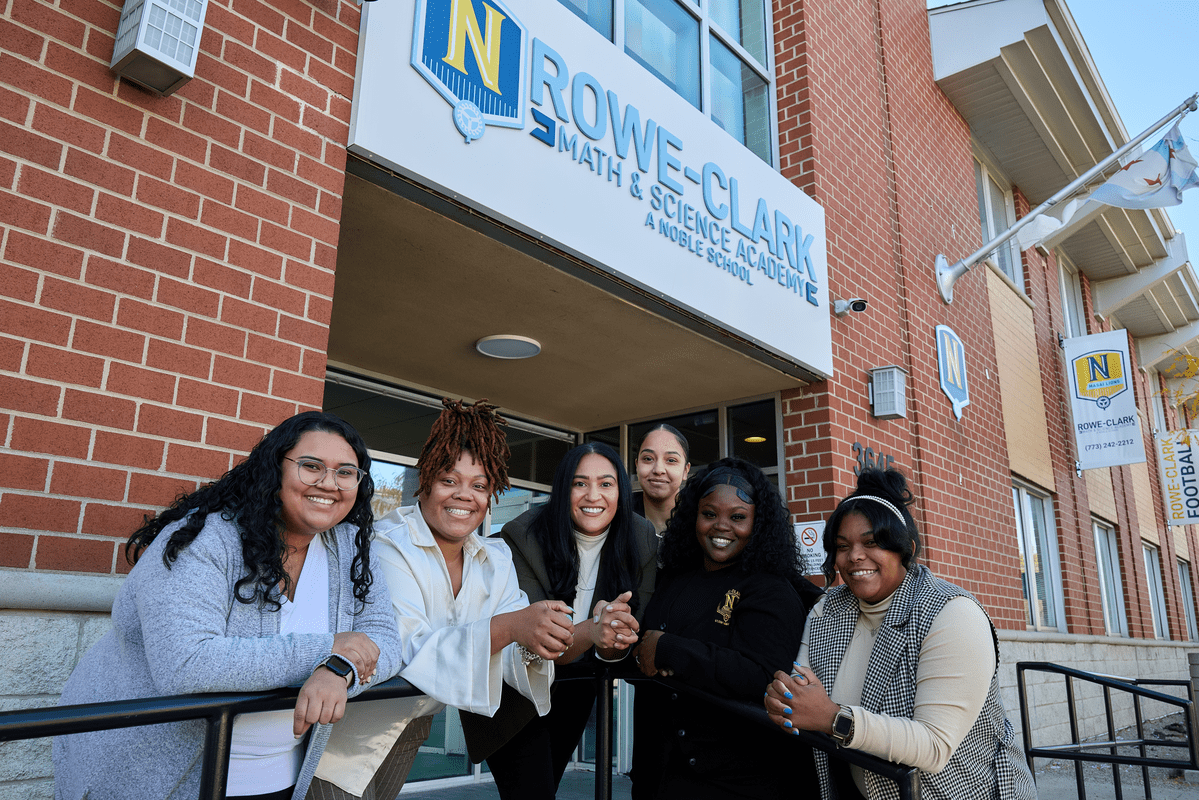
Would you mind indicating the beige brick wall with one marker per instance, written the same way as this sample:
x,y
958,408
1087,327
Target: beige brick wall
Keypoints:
x,y
1020,384
1143,489
1100,494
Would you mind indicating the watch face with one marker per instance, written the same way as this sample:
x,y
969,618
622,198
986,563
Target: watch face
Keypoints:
x,y
338,665
842,725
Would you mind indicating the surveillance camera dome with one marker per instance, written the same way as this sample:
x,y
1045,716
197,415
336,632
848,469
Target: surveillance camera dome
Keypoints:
x,y
857,305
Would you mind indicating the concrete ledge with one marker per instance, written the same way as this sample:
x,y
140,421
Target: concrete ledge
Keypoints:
x,y
1055,637
54,591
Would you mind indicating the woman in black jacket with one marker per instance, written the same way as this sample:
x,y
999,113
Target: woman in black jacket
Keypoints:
x,y
728,610
588,549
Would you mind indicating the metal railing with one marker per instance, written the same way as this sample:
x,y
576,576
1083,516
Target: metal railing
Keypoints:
x,y
1079,751
907,779
218,711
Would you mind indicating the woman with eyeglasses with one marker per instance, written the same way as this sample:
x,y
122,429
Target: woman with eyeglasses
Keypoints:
x,y
262,579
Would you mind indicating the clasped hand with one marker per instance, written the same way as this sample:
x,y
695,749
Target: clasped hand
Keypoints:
x,y
798,701
613,625
545,628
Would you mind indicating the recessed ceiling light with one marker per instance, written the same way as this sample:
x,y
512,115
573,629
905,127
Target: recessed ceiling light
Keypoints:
x,y
755,439
508,346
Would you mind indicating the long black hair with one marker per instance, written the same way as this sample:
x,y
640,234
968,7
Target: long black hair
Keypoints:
x,y
248,495
895,533
551,528
772,547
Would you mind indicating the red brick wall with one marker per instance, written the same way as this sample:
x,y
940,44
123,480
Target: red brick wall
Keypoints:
x,y
166,264
866,132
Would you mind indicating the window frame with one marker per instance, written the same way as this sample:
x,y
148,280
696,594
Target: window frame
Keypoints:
x,y
1156,589
1070,287
1188,598
724,449
986,168
1026,534
1107,557
709,28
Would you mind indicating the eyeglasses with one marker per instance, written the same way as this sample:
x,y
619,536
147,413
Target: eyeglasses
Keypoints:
x,y
312,472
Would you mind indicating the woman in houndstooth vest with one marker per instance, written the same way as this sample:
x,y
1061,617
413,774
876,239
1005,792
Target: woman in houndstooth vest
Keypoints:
x,y
898,663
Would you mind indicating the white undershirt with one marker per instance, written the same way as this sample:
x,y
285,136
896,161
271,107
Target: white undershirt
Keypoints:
x,y
589,558
265,756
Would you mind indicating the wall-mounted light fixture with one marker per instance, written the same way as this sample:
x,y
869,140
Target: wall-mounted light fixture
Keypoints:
x,y
888,392
158,42
508,346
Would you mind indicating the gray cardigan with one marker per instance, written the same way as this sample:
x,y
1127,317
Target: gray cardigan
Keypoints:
x,y
179,631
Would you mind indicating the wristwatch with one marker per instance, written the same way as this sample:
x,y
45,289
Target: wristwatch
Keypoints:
x,y
340,666
843,726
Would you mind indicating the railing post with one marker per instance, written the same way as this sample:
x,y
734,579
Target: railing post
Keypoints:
x,y
1074,736
1025,725
603,733
218,735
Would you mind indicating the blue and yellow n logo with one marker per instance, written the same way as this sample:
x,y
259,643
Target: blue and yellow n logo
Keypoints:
x,y
951,364
473,53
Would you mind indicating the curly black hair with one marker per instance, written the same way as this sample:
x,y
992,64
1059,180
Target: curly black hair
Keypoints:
x,y
772,547
551,528
248,494
890,532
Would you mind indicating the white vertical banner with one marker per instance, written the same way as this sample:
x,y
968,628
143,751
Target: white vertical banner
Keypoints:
x,y
1177,452
1107,427
811,551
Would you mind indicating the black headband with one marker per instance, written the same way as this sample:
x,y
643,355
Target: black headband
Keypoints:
x,y
726,476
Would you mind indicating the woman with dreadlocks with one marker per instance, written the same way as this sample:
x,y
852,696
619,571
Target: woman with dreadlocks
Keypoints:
x,y
265,578
587,548
467,628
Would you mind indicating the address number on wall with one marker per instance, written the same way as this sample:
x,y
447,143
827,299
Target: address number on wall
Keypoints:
x,y
867,458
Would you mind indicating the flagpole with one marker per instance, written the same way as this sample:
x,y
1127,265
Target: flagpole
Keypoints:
x,y
947,275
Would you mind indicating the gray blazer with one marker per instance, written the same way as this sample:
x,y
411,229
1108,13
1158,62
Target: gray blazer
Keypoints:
x,y
180,630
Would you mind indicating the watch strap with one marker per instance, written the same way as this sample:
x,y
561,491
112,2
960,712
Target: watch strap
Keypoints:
x,y
843,726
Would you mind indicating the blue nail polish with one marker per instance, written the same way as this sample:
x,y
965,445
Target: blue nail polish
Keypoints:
x,y
766,694
787,723
788,695
795,731
786,710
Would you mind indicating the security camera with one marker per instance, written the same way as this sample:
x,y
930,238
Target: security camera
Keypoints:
x,y
843,307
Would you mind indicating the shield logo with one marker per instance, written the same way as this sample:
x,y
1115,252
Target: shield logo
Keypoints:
x,y
951,363
1100,375
473,53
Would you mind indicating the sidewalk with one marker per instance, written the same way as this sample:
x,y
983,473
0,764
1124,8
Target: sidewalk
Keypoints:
x,y
1055,781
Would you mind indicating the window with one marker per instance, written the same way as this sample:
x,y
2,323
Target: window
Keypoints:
x,y
1039,569
715,53
1188,599
996,214
1157,595
1108,556
1072,308
746,430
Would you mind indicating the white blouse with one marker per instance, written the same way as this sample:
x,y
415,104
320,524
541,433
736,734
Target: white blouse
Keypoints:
x,y
446,641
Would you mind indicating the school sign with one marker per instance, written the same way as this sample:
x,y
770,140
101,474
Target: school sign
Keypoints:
x,y
520,110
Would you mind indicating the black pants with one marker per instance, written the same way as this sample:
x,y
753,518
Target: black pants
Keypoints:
x,y
530,765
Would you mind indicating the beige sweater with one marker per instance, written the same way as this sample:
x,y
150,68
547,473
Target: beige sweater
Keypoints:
x,y
957,661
